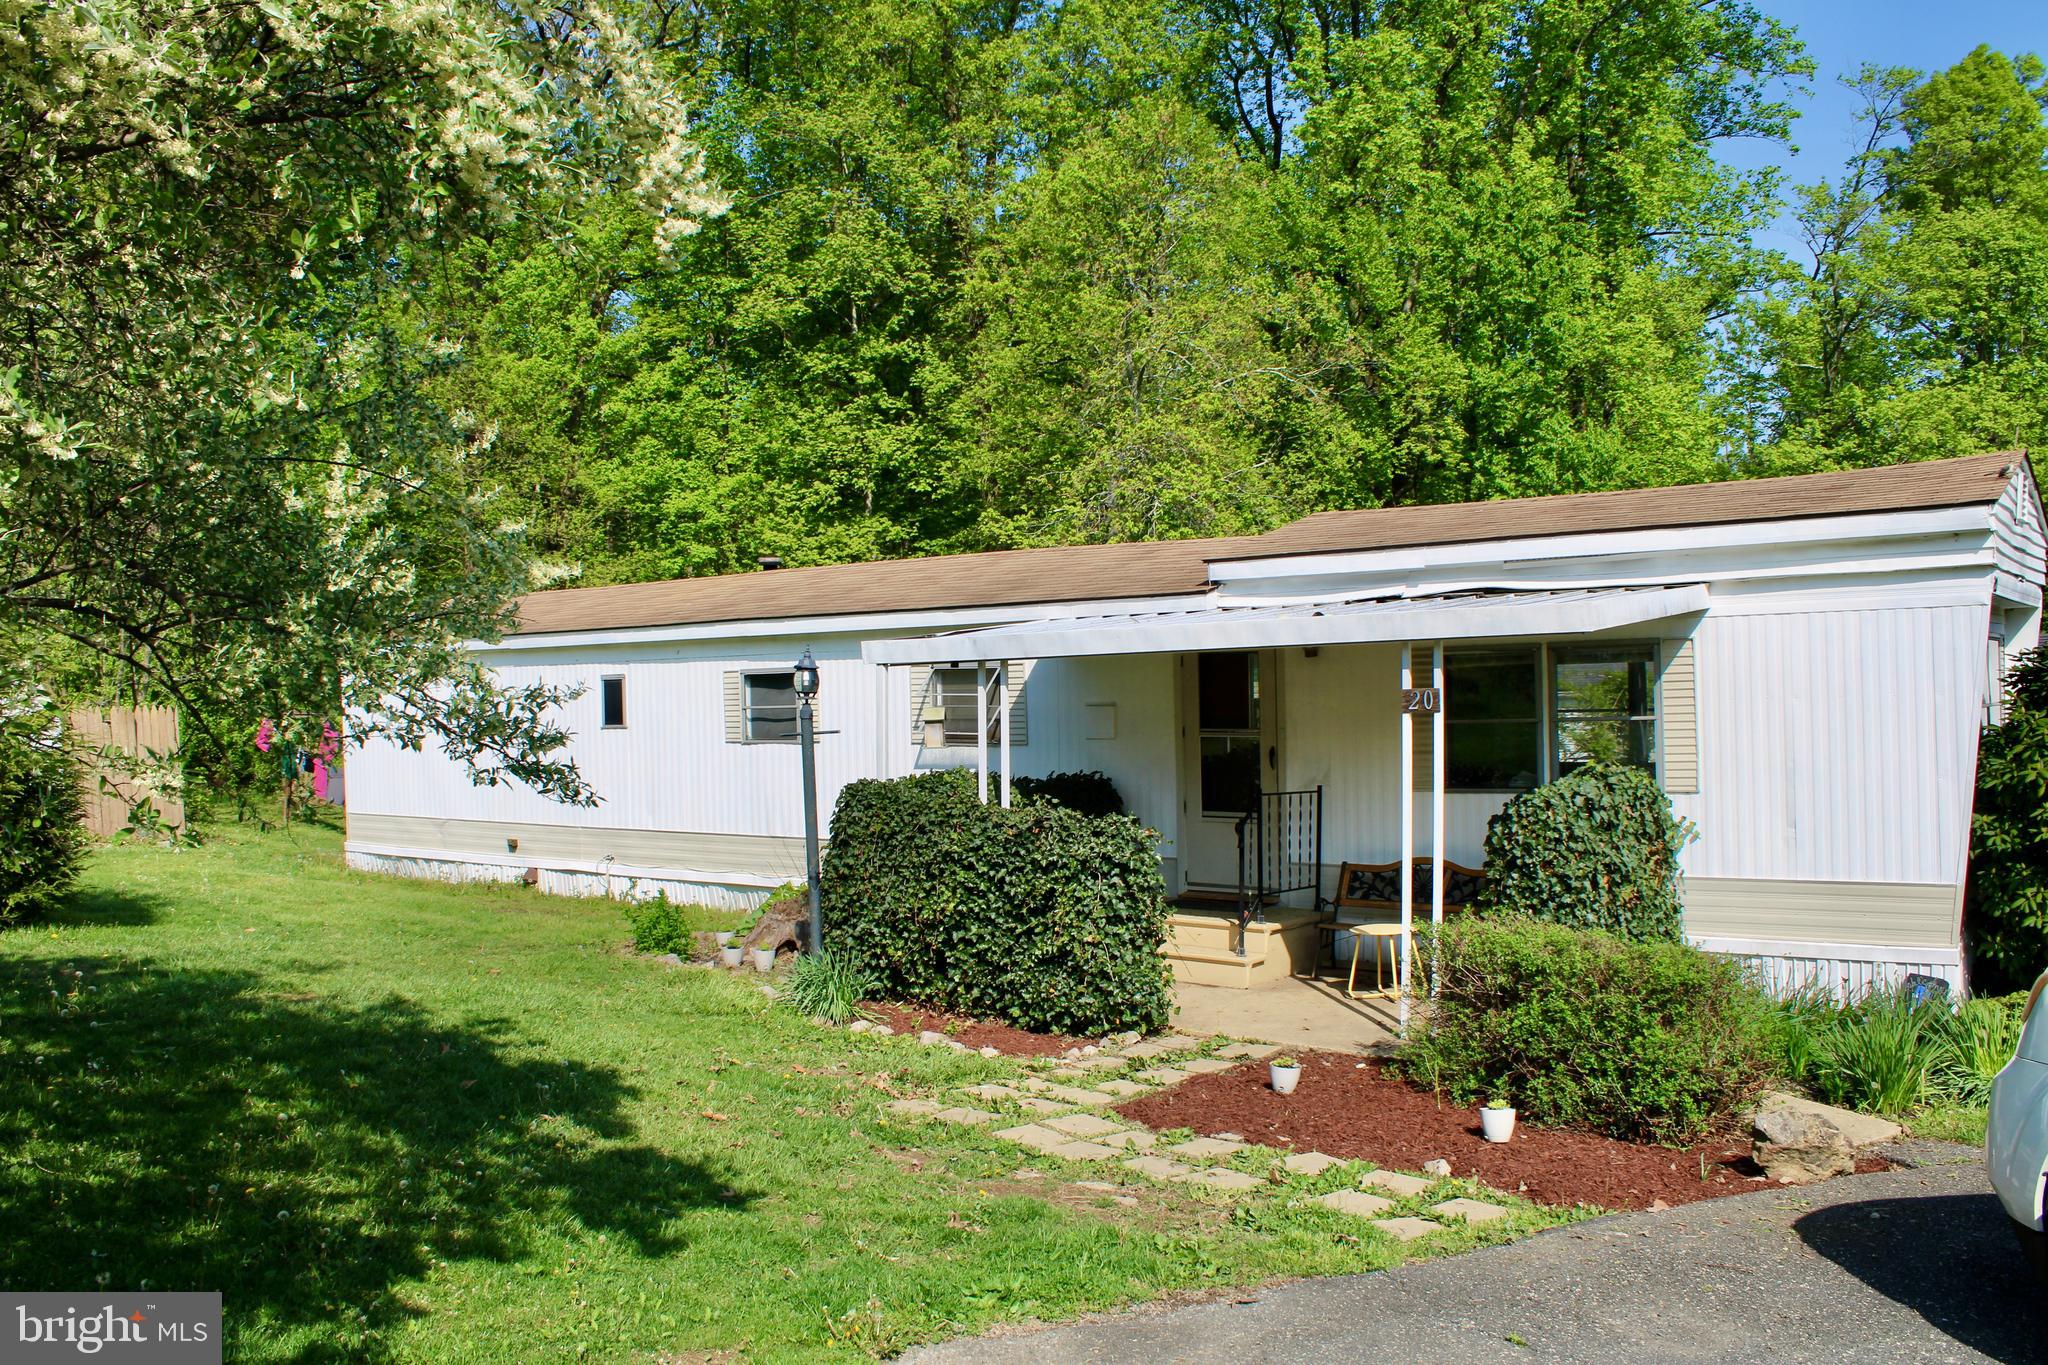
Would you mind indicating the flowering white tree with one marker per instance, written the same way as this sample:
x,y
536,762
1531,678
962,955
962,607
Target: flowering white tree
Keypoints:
x,y
210,474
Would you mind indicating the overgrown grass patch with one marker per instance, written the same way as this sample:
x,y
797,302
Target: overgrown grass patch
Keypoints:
x,y
395,1119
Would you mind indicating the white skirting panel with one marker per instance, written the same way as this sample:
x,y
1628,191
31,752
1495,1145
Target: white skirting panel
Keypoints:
x,y
1845,970
620,885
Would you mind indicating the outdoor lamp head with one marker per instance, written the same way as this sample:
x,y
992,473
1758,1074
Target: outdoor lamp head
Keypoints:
x,y
807,675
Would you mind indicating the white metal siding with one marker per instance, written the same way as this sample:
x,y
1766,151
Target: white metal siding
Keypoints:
x,y
2019,540
1837,746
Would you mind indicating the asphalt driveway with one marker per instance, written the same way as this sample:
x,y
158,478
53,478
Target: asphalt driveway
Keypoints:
x,y
1907,1265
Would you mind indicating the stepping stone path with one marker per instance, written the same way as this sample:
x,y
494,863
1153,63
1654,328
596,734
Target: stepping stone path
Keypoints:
x,y
1067,1121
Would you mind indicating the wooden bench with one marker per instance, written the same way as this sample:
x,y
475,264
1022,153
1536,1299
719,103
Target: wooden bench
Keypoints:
x,y
1376,887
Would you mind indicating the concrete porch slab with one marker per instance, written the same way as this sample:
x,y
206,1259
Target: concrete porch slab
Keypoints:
x,y
1300,1013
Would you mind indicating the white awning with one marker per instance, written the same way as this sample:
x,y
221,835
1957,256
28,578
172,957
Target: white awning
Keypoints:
x,y
1460,616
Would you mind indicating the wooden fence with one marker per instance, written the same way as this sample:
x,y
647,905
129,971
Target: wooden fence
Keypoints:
x,y
134,730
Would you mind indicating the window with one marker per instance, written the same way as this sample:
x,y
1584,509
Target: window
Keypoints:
x,y
1493,720
1227,714
768,708
956,695
613,691
1605,702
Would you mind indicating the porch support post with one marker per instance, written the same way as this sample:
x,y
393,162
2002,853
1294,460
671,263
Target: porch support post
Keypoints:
x,y
1003,702
981,728
1406,873
1436,800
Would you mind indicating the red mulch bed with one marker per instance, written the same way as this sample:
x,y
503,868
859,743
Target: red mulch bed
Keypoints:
x,y
975,1033
1350,1110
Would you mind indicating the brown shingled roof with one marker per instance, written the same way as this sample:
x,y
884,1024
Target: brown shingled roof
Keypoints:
x,y
1961,482
1076,573
997,578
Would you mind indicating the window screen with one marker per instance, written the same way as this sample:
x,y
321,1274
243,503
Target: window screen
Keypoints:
x,y
956,694
769,701
613,691
1493,720
1606,707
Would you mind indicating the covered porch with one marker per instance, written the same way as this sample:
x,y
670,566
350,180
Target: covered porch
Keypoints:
x,y
1292,746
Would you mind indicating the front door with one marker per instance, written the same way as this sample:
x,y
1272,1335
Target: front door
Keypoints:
x,y
1230,728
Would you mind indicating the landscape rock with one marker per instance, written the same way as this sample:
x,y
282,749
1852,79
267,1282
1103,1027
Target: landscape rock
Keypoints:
x,y
991,1052
883,1031
1862,1130
672,959
859,1026
1437,1167
1796,1146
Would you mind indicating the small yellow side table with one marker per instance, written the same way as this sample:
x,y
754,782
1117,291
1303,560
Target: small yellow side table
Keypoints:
x,y
1376,935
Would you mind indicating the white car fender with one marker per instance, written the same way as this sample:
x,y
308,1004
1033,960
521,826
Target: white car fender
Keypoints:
x,y
2016,1144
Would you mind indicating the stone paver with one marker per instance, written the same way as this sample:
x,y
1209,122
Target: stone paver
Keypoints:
x,y
1221,1178
1254,1052
921,1108
1038,1104
1157,1167
989,1092
1099,1186
1163,1075
1310,1163
1083,1125
1129,1138
1394,1183
1122,1089
1407,1229
1031,1135
1067,1073
961,1114
1352,1202
1080,1150
1470,1210
1206,1066
1075,1095
1204,1148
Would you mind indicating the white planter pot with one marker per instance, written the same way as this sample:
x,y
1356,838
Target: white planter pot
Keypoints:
x,y
1284,1078
732,954
764,959
1497,1125
724,937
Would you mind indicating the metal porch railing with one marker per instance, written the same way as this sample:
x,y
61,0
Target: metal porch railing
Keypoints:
x,y
1279,850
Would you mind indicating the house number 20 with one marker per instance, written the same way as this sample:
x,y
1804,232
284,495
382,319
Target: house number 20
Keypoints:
x,y
1422,700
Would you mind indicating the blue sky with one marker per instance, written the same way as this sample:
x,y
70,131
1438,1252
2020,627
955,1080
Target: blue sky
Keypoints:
x,y
1841,35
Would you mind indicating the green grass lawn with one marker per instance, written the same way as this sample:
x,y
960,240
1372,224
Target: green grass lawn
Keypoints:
x,y
398,1119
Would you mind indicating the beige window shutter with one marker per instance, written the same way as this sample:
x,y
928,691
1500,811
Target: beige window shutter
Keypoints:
x,y
923,692
1678,714
735,710
1013,677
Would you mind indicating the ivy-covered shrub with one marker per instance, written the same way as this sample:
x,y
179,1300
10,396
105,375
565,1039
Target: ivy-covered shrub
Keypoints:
x,y
1597,849
1040,916
1584,1029
1091,793
2006,923
42,837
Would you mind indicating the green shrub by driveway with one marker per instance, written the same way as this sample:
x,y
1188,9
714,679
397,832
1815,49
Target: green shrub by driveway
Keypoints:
x,y
1597,849
41,839
1040,916
1584,1029
2005,923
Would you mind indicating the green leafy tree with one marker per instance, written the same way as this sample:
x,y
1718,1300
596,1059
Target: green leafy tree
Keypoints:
x,y
216,471
2006,924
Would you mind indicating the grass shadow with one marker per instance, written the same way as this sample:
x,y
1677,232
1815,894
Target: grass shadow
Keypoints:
x,y
186,1129
1950,1258
101,905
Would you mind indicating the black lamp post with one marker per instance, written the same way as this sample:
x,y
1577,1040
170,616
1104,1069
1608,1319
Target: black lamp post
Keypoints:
x,y
807,688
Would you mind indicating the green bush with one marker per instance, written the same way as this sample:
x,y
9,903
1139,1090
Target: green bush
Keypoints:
x,y
1585,1029
1039,915
2006,923
828,985
1090,793
42,837
659,926
1597,849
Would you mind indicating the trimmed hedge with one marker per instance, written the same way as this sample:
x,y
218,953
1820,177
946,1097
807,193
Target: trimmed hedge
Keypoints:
x,y
1091,793
1583,1029
42,837
1039,916
1597,849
